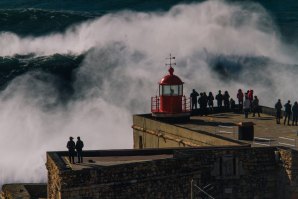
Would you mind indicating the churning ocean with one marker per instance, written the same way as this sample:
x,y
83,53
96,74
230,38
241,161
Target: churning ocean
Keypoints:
x,y
82,68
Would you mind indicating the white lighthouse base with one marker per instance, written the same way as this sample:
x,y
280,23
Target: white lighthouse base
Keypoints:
x,y
172,117
159,114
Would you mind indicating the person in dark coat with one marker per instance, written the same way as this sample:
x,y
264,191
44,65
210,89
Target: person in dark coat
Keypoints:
x,y
71,149
240,97
288,112
295,113
210,100
79,148
255,106
226,98
203,103
200,100
193,97
278,108
219,98
232,104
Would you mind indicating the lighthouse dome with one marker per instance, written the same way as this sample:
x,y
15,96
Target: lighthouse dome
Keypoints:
x,y
170,79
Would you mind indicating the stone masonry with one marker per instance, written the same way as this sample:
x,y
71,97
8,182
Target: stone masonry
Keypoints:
x,y
231,172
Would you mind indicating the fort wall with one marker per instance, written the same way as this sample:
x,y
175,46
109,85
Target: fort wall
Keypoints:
x,y
150,133
288,163
232,172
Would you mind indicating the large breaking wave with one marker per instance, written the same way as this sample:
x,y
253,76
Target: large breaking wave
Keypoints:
x,y
110,66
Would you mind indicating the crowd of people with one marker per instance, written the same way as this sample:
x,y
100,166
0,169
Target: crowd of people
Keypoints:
x,y
290,111
247,102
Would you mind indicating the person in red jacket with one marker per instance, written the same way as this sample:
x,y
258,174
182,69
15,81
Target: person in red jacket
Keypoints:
x,y
251,97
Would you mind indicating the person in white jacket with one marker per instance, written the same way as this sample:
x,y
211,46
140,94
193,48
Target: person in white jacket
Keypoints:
x,y
246,106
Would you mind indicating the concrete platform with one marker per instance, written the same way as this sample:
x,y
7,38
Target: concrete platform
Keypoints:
x,y
266,131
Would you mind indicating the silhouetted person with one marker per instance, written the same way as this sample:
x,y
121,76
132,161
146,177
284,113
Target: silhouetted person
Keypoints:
x,y
278,108
203,99
205,103
210,100
71,149
79,148
288,108
295,113
219,98
193,97
200,101
240,97
226,98
255,106
232,104
246,106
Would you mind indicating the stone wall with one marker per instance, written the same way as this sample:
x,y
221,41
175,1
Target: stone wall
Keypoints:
x,y
250,174
24,190
55,169
288,163
233,172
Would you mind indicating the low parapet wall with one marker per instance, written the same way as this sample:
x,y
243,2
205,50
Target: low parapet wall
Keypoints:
x,y
269,110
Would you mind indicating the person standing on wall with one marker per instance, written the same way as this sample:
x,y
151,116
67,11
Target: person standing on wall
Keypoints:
x,y
278,108
71,150
79,147
288,112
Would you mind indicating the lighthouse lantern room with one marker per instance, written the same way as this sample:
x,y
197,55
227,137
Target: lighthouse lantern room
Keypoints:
x,y
171,103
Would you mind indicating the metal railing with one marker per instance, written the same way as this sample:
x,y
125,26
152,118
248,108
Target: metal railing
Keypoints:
x,y
186,104
155,104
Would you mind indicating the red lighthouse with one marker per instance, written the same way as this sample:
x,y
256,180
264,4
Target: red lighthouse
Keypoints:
x,y
171,103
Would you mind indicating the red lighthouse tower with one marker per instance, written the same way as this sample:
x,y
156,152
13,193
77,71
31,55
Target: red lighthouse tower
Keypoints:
x,y
171,103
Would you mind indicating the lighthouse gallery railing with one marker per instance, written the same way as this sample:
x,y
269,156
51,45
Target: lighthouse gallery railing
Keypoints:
x,y
155,104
